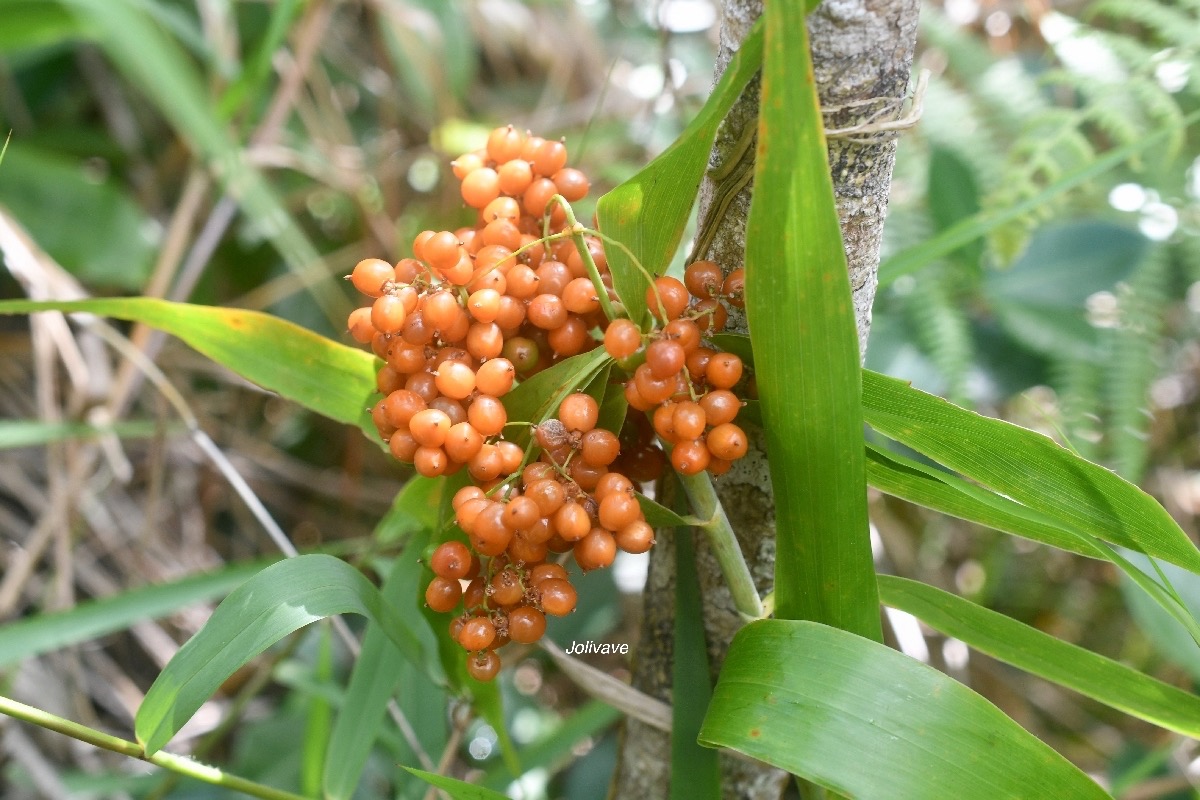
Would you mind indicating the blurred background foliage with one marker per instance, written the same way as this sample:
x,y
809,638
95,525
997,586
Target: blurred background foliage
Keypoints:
x,y
248,153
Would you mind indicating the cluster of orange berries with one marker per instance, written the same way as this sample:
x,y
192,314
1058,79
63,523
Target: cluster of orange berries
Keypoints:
x,y
566,502
683,386
479,309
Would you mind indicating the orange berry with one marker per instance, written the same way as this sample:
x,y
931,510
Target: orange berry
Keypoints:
x,y
728,441
579,412
515,176
723,370
504,144
429,427
549,158
388,314
673,295
480,187
360,326
571,184
370,275
495,377
622,338
703,279
596,550
690,458
455,379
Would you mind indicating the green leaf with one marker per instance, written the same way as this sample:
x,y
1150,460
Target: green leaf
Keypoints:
x,y
274,603
736,343
459,790
1027,467
867,722
45,633
29,24
257,70
1067,263
613,407
92,227
1164,629
317,373
538,397
31,432
413,510
942,491
660,516
320,719
377,671
695,774
953,191
649,211
1041,300
952,495
1012,642
806,349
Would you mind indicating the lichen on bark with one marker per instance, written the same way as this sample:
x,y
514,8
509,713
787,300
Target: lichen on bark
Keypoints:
x,y
862,55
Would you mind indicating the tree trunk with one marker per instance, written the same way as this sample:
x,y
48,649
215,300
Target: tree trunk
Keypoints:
x,y
862,54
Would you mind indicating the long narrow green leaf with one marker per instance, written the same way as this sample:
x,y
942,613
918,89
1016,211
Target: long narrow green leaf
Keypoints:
x,y
1159,624
933,488
319,723
45,633
952,495
457,789
649,211
376,673
869,723
1028,467
30,432
318,373
806,350
277,601
695,774
257,68
1100,678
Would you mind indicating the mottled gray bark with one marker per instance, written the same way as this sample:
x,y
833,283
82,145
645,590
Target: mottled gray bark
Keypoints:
x,y
862,54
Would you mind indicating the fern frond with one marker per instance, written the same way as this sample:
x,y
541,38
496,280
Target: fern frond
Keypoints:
x,y
1002,93
1134,363
1139,57
1118,123
1162,113
942,328
1078,384
1169,23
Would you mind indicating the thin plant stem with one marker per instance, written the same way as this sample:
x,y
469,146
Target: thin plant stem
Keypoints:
x,y
721,538
584,253
181,764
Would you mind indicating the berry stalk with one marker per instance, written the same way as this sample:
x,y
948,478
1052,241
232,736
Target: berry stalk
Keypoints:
x,y
707,506
585,254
